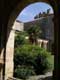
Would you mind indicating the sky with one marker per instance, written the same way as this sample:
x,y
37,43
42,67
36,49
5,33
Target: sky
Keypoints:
x,y
28,13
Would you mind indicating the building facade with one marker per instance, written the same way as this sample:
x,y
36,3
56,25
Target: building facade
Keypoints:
x,y
46,25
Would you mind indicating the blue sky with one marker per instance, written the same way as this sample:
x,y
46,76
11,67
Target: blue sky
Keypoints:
x,y
28,13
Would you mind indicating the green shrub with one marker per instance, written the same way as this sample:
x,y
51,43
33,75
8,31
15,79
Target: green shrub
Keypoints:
x,y
23,72
20,38
31,55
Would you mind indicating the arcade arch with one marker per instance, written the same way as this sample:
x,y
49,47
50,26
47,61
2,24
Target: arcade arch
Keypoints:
x,y
10,33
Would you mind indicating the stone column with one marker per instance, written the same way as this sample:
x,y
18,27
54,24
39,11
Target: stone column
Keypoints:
x,y
45,44
1,64
56,73
9,64
40,42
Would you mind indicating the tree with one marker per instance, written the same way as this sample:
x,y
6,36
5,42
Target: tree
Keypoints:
x,y
34,33
48,11
20,38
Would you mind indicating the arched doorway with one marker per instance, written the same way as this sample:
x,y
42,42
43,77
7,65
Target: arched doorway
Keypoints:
x,y
9,34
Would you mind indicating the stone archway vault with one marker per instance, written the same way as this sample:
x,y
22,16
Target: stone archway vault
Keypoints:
x,y
10,34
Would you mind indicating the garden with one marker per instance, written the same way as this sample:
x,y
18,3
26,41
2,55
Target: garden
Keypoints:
x,y
30,59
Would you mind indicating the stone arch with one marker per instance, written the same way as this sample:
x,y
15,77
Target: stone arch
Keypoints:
x,y
10,32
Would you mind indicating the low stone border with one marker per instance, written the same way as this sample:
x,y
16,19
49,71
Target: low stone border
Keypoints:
x,y
47,76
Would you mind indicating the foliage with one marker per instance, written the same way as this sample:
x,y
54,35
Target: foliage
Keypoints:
x,y
20,38
24,72
34,29
34,33
31,55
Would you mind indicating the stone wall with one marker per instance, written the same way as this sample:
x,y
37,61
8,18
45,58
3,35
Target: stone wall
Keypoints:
x,y
46,25
18,26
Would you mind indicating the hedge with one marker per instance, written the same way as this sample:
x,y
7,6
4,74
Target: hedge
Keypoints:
x,y
31,55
